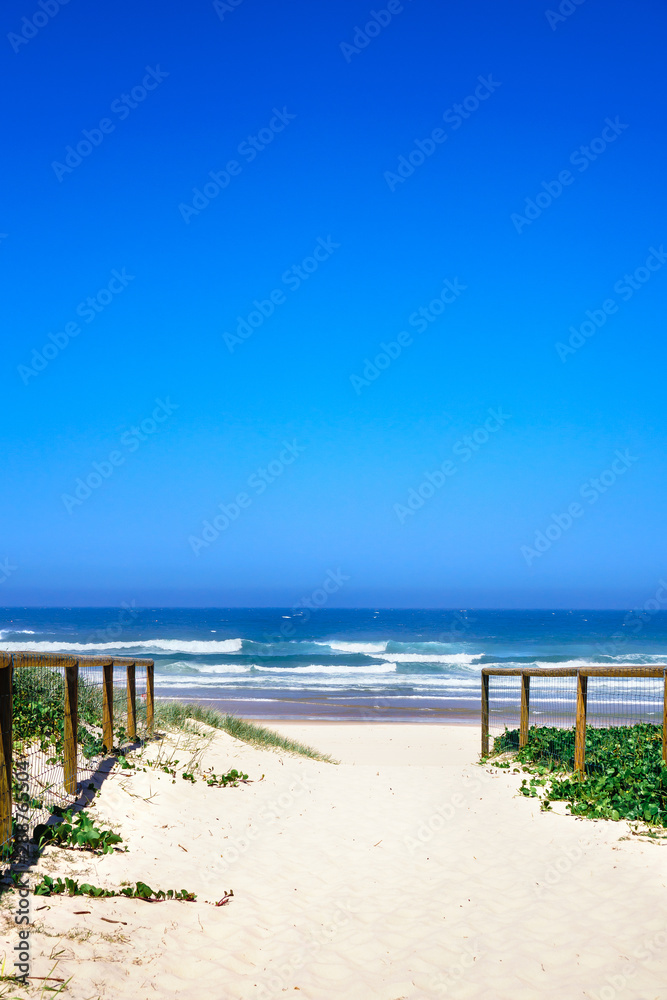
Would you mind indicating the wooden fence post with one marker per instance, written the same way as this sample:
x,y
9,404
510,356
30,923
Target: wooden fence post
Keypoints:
x,y
485,714
525,709
131,702
107,706
580,731
150,696
6,693
71,727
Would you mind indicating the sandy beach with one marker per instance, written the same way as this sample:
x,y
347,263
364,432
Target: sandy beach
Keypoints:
x,y
406,871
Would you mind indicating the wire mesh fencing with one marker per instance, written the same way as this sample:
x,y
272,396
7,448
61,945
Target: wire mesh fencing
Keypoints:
x,y
60,716
576,719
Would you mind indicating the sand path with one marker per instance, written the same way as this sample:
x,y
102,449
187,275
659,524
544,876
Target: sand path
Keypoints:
x,y
405,872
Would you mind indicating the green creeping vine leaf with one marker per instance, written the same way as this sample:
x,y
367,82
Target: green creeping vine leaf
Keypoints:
x,y
57,887
80,832
231,778
625,778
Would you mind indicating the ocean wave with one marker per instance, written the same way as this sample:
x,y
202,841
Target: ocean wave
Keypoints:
x,y
394,646
318,668
462,659
306,681
354,647
147,645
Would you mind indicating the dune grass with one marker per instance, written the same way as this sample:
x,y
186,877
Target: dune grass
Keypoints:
x,y
177,714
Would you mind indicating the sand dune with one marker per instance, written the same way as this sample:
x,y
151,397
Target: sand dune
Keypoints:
x,y
406,871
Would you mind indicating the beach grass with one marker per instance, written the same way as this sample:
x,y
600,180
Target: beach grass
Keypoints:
x,y
177,714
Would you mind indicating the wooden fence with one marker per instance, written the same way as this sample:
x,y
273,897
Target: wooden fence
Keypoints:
x,y
70,666
582,674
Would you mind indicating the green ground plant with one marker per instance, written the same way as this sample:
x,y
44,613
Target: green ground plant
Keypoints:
x,y
76,832
222,780
58,886
625,777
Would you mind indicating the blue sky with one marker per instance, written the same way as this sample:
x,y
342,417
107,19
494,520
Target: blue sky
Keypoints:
x,y
198,331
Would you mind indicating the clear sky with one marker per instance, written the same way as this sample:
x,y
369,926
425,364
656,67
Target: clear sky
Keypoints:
x,y
215,215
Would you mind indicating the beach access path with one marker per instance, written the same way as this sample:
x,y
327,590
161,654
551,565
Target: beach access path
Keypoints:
x,y
405,872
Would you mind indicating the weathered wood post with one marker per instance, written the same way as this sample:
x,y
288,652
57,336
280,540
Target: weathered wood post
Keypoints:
x,y
485,714
580,730
525,709
131,702
6,694
71,727
107,706
150,695
131,692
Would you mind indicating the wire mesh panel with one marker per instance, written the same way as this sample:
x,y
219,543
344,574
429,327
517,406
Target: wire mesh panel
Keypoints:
x,y
59,717
504,706
575,718
624,721
38,731
91,748
624,701
112,709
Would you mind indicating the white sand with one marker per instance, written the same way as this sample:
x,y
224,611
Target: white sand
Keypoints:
x,y
407,871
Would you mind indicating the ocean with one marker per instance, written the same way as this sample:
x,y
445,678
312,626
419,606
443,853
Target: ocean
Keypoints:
x,y
376,664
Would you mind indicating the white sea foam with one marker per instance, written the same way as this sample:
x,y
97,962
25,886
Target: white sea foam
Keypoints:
x,y
316,668
222,668
355,647
159,645
313,678
460,658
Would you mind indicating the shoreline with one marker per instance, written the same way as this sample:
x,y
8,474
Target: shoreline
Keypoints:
x,y
308,709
